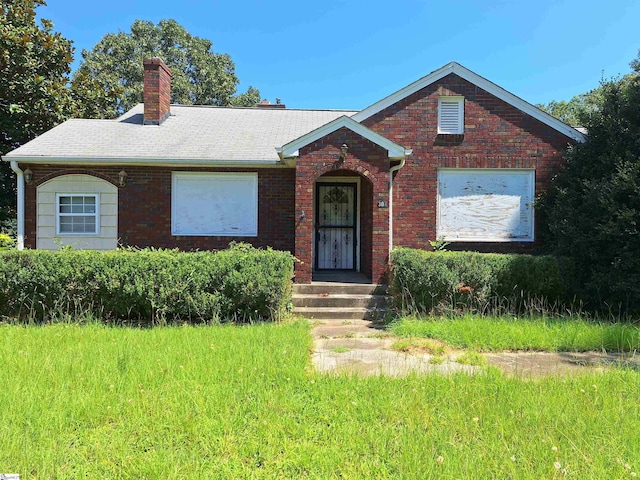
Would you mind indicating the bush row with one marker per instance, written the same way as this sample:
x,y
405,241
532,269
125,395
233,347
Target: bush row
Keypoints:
x,y
241,283
423,281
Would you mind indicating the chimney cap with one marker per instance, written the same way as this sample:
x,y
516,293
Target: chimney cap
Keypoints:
x,y
153,61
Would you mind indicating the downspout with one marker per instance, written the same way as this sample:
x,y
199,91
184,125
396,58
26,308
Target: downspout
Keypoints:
x,y
393,170
20,199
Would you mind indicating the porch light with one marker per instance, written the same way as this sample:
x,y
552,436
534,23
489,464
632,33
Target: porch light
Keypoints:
x,y
28,176
343,152
123,178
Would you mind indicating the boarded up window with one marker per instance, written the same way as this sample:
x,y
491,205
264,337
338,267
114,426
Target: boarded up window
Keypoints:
x,y
485,205
216,204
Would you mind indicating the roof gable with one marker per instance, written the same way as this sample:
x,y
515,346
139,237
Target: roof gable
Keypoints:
x,y
291,149
479,81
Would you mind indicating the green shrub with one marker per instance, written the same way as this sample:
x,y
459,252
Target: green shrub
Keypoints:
x,y
240,284
425,281
6,242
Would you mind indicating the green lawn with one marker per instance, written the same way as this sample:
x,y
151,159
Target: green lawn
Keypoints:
x,y
556,334
242,402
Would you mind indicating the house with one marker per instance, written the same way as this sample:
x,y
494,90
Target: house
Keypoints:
x,y
451,156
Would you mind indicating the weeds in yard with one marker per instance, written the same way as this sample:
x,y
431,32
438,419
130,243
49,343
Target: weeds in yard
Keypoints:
x,y
523,333
340,349
472,358
419,345
240,402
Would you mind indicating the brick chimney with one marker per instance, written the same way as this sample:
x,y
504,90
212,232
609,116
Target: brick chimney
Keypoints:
x,y
157,91
268,104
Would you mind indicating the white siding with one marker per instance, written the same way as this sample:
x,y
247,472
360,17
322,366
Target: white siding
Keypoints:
x,y
46,237
215,204
485,205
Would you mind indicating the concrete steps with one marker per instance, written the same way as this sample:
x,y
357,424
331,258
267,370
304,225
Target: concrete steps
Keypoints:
x,y
340,301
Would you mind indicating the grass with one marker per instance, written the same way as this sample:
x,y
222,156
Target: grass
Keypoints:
x,y
242,402
339,349
472,358
418,345
556,334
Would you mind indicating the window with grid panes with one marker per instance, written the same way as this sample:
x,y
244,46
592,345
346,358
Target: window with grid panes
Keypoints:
x,y
77,214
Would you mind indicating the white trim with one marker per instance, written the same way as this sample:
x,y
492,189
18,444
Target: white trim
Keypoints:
x,y
346,179
459,101
176,175
479,81
20,206
290,149
95,214
392,170
156,162
488,171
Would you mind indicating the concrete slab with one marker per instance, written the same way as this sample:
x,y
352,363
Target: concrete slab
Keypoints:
x,y
376,361
361,347
536,364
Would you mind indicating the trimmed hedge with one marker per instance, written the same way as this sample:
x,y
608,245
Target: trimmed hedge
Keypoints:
x,y
424,281
238,284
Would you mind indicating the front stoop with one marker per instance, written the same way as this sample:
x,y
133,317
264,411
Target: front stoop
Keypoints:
x,y
340,301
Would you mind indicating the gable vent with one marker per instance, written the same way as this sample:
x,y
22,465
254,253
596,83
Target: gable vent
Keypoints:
x,y
451,115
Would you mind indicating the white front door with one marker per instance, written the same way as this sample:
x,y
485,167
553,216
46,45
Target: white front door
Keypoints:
x,y
336,218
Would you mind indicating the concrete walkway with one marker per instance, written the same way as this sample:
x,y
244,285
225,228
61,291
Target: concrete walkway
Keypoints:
x,y
361,347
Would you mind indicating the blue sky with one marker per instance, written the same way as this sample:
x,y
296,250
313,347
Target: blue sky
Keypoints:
x,y
349,54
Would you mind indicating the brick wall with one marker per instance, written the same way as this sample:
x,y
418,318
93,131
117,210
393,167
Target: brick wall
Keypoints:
x,y
365,159
144,206
157,91
497,135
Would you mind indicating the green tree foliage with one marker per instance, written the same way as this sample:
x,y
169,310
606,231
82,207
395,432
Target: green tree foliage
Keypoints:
x,y
575,110
200,76
34,72
593,208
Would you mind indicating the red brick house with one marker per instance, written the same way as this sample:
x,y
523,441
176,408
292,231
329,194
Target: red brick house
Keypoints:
x,y
450,156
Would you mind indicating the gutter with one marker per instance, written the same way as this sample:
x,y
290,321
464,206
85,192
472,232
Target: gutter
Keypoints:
x,y
393,170
151,162
20,201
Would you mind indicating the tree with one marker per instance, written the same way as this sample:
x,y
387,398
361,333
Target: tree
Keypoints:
x,y
34,73
593,207
575,111
200,76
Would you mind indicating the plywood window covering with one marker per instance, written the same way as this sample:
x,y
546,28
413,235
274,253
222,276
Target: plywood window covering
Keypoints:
x,y
451,115
77,214
486,205
214,204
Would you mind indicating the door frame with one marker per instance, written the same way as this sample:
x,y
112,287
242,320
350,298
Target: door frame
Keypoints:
x,y
342,180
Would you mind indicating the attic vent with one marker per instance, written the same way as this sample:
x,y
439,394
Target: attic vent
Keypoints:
x,y
451,115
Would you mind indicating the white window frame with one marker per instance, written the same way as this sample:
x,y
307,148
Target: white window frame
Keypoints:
x,y
460,126
253,232
489,171
96,214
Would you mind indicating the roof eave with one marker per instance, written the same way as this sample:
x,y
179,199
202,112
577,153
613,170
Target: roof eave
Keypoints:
x,y
147,162
291,149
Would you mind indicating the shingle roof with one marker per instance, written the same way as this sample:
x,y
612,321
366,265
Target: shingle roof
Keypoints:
x,y
197,133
